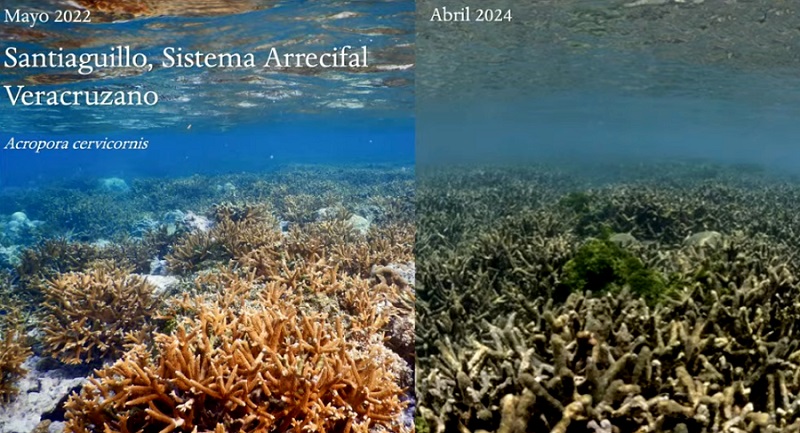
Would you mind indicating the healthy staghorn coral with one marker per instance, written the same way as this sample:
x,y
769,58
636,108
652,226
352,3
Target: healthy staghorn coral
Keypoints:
x,y
355,253
92,315
262,366
14,350
237,230
323,272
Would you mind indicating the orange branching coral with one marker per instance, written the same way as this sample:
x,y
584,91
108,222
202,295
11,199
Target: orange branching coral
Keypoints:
x,y
355,254
248,236
318,238
301,208
238,238
381,246
230,286
314,263
91,315
264,260
13,352
265,366
238,231
194,249
384,306
254,213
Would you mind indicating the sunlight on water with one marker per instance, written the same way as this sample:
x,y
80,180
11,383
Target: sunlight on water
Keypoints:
x,y
220,97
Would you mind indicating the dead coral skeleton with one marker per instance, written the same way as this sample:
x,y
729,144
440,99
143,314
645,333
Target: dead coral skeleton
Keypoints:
x,y
711,365
499,351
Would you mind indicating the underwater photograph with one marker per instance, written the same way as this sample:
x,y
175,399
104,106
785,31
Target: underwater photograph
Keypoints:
x,y
607,218
236,257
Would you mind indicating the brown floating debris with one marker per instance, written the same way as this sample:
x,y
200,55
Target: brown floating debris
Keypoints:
x,y
149,8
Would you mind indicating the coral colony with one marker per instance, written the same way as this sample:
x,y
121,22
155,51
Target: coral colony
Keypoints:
x,y
553,302
287,309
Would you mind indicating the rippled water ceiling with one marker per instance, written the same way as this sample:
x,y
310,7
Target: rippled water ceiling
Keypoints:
x,y
710,48
224,95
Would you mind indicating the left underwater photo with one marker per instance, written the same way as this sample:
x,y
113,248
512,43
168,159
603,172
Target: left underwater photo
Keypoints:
x,y
207,216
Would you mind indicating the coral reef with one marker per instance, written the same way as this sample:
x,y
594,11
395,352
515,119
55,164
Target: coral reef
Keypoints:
x,y
356,253
89,316
264,366
247,310
242,356
553,301
140,252
251,236
50,258
77,205
17,228
14,350
236,231
277,315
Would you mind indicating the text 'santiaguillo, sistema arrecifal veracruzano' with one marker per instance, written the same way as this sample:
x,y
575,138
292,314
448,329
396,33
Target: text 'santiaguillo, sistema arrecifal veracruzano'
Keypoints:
x,y
123,57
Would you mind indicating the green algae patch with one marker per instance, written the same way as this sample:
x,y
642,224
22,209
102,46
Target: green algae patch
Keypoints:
x,y
577,201
420,425
602,266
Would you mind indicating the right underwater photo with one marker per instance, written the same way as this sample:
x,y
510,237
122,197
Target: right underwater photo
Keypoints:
x,y
608,216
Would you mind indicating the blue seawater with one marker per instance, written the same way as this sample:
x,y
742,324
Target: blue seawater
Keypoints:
x,y
214,121
245,148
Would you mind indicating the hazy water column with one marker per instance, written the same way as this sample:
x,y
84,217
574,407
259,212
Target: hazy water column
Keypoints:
x,y
609,79
606,82
464,88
